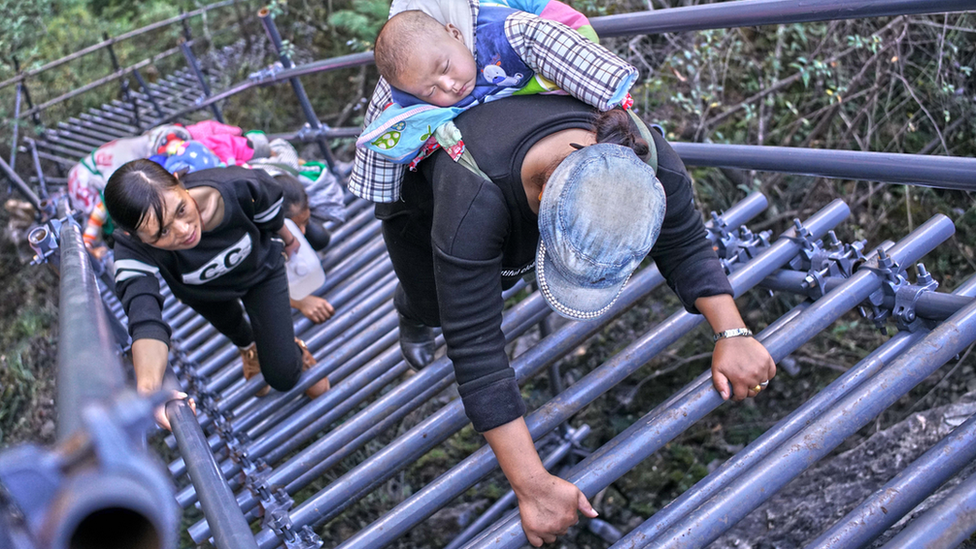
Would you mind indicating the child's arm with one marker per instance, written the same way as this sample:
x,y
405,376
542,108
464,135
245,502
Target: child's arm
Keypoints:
x,y
373,176
95,222
291,243
587,71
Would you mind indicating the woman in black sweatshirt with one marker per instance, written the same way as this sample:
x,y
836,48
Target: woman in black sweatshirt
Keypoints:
x,y
217,238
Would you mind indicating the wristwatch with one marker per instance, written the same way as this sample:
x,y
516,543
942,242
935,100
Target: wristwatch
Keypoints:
x,y
737,332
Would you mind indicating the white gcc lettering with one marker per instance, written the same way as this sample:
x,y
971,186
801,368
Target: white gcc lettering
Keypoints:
x,y
222,263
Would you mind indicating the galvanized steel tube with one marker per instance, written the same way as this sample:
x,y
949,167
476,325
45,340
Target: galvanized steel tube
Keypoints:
x,y
230,529
751,13
944,172
946,525
902,493
89,368
772,439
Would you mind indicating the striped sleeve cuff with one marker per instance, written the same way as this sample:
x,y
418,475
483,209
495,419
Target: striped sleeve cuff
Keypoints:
x,y
131,268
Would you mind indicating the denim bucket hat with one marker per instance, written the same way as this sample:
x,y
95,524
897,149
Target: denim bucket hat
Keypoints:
x,y
601,213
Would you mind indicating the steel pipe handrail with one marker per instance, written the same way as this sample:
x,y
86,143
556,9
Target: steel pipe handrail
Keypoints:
x,y
117,75
754,13
702,17
901,494
21,186
230,530
946,525
114,40
944,172
88,367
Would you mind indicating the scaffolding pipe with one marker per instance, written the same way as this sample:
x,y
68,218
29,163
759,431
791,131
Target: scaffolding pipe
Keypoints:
x,y
41,179
901,494
944,172
509,500
830,429
230,530
698,398
17,182
264,14
124,36
753,13
929,305
398,402
561,408
773,438
16,121
946,525
201,79
88,368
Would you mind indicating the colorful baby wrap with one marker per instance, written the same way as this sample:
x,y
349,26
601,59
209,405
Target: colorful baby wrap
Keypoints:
x,y
191,156
402,129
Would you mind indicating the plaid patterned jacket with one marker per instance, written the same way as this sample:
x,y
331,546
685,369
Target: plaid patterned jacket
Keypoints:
x,y
585,70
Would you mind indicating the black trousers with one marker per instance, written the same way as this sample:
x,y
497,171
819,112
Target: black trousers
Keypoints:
x,y
270,327
406,230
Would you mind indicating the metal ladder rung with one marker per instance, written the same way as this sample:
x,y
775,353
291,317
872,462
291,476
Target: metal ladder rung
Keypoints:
x,y
97,128
89,132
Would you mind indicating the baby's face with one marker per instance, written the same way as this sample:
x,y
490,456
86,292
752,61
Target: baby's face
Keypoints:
x,y
441,71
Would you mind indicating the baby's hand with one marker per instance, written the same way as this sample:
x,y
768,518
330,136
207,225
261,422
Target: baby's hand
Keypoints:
x,y
314,308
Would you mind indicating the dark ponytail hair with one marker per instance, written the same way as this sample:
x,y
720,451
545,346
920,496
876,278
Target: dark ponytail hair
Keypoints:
x,y
294,198
134,190
614,126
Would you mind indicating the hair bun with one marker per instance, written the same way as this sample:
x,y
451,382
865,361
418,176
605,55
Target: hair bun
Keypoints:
x,y
614,126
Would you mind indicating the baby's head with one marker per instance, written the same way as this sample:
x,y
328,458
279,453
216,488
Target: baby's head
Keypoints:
x,y
417,54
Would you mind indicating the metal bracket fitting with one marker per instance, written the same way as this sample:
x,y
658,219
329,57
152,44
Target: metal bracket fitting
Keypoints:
x,y
44,241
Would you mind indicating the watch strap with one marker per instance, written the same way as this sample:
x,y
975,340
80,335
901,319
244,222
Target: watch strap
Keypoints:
x,y
736,332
